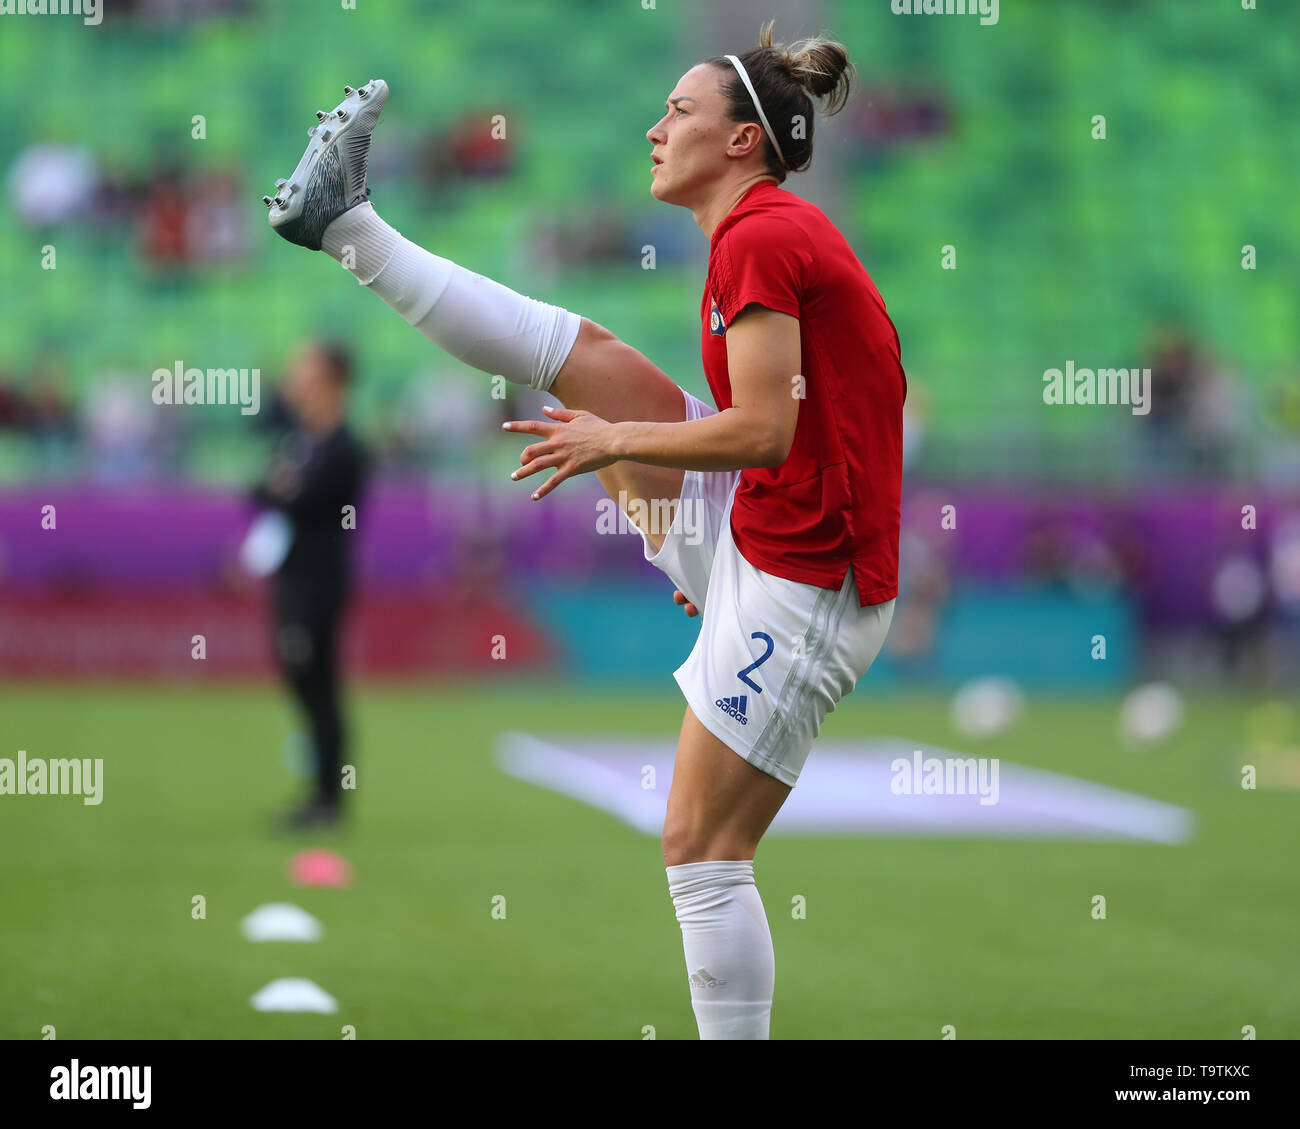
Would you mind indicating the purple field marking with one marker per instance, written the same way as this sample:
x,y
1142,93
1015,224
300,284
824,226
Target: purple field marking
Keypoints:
x,y
845,790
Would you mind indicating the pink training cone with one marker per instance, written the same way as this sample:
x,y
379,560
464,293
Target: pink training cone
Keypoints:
x,y
316,867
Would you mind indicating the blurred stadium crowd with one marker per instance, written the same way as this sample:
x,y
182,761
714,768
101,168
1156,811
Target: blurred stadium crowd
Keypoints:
x,y
1127,251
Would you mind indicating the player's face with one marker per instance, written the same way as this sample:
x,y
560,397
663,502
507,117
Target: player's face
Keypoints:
x,y
691,140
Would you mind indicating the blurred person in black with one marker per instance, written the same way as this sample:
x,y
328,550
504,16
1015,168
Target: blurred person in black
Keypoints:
x,y
315,481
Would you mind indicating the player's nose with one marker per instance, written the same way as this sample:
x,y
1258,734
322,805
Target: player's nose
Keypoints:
x,y
655,134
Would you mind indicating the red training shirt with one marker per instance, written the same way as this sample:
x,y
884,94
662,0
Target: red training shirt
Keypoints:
x,y
834,503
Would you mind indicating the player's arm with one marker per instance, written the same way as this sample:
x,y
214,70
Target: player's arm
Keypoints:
x,y
763,358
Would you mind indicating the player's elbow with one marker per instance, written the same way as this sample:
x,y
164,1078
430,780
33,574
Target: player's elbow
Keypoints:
x,y
773,448
762,439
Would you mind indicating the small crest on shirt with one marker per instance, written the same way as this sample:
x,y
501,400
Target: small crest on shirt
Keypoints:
x,y
717,326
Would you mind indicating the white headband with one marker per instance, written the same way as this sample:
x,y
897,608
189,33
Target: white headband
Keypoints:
x,y
771,133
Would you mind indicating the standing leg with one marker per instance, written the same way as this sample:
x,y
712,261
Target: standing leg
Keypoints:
x,y
719,806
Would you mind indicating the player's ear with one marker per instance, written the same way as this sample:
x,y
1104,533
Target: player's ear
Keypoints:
x,y
745,138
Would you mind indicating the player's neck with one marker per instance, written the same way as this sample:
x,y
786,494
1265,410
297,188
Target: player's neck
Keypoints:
x,y
714,210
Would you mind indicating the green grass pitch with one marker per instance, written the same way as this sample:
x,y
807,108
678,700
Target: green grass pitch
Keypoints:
x,y
902,936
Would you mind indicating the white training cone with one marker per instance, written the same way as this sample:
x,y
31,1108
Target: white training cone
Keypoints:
x,y
280,921
293,994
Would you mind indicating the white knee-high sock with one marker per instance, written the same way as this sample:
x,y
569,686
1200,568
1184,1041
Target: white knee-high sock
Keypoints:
x,y
476,320
728,947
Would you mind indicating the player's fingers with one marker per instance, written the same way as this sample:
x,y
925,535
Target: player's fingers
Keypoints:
x,y
531,426
564,415
535,451
692,610
551,483
679,597
533,466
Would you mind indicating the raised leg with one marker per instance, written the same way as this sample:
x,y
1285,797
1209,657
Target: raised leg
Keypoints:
x,y
502,332
324,205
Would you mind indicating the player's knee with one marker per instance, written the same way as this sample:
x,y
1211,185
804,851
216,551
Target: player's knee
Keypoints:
x,y
684,841
675,843
595,333
592,339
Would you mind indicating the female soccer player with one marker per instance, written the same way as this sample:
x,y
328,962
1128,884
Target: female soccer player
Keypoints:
x,y
794,480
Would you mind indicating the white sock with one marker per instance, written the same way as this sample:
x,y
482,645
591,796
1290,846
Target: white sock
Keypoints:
x,y
728,948
476,320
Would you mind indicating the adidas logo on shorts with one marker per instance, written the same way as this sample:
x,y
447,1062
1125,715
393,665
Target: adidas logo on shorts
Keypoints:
x,y
734,707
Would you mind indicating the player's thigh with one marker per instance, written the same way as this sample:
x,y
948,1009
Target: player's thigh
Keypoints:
x,y
607,377
648,495
685,552
719,805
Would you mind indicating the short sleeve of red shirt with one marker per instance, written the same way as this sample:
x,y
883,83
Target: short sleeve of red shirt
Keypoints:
x,y
767,260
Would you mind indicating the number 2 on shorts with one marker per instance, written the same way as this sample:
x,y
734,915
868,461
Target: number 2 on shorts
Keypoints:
x,y
743,675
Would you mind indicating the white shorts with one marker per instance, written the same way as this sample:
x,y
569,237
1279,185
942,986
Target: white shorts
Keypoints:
x,y
774,656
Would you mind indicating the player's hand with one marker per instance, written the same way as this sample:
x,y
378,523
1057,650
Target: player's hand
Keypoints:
x,y
572,443
679,598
